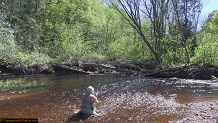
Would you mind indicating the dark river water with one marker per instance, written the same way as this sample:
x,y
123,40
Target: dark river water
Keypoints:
x,y
123,99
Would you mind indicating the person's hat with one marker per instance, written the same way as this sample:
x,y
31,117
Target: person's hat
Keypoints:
x,y
90,89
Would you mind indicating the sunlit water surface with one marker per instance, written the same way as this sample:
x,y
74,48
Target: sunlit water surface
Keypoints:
x,y
123,99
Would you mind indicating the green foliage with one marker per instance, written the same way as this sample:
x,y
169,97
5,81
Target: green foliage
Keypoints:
x,y
7,43
211,24
79,30
39,32
23,21
173,51
116,51
11,53
207,51
94,58
138,51
31,59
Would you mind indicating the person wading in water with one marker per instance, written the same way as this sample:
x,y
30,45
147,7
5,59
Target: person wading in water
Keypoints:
x,y
87,106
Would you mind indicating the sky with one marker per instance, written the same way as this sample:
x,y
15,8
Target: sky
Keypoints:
x,y
208,6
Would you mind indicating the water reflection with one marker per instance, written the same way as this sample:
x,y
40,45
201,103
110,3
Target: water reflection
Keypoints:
x,y
124,99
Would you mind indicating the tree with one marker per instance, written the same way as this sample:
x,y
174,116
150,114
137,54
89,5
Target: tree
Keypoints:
x,y
207,51
187,14
7,43
22,17
131,11
157,12
181,21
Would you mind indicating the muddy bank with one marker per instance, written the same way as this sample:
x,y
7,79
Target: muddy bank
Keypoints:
x,y
124,68
188,71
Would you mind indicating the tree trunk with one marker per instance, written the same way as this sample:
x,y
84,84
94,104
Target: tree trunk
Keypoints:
x,y
181,30
131,13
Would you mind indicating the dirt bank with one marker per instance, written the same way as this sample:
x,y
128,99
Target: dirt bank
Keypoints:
x,y
188,71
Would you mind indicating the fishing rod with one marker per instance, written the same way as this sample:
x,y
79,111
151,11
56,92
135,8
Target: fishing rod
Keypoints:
x,y
99,82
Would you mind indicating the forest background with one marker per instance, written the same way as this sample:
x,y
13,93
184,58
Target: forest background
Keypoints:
x,y
156,31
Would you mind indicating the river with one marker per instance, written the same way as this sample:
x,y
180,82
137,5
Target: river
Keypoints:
x,y
123,99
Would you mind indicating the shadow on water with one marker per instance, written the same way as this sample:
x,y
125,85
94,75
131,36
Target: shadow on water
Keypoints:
x,y
124,99
79,117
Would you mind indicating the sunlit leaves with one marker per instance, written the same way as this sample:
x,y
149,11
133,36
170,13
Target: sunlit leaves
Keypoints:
x,y
207,51
7,42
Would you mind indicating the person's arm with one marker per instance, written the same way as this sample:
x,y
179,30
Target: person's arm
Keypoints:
x,y
95,99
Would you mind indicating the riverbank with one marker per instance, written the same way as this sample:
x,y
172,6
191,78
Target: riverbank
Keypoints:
x,y
199,71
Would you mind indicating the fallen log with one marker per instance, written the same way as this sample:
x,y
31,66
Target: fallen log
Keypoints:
x,y
192,71
67,70
127,66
